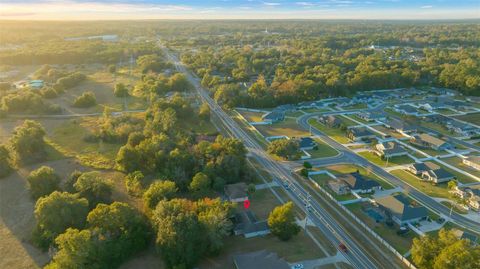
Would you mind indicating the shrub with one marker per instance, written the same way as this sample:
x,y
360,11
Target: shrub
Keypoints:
x,y
87,99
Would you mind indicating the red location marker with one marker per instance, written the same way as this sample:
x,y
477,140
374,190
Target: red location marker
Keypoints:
x,y
246,204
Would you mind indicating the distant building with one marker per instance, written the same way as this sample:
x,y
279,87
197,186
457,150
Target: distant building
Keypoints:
x,y
400,209
307,143
236,192
472,161
274,116
360,133
429,141
390,149
259,260
246,224
339,187
330,121
431,172
372,116
400,126
357,183
471,194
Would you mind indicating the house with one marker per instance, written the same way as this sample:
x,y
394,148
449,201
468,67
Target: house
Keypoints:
x,y
471,194
465,235
262,259
330,121
429,141
246,224
307,143
406,109
390,149
339,187
273,116
360,133
372,116
400,126
399,208
472,161
431,172
236,192
357,183
461,128
437,176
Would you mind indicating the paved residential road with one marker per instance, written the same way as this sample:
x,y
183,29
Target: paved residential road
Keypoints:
x,y
357,254
350,157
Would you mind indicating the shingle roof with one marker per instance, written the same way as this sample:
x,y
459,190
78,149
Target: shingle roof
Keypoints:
x,y
400,207
426,166
357,182
430,139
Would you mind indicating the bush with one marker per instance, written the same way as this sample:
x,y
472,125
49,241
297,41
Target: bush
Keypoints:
x,y
49,93
87,99
43,181
120,90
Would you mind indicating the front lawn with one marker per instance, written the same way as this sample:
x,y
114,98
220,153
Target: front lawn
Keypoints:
x,y
350,168
459,176
288,127
323,150
394,161
440,190
335,133
472,118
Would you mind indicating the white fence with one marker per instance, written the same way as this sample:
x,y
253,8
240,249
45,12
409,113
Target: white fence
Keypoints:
x,y
362,224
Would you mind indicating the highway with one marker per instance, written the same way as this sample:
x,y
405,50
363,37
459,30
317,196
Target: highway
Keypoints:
x,y
357,255
348,156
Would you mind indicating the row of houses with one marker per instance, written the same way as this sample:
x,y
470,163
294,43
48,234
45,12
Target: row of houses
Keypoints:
x,y
453,125
470,194
353,182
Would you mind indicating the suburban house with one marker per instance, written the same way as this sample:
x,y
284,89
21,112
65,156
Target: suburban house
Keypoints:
x,y
339,187
471,194
431,172
472,161
390,149
400,209
429,141
330,121
399,126
461,128
262,259
465,235
357,183
246,224
360,133
273,116
371,116
406,109
307,143
237,192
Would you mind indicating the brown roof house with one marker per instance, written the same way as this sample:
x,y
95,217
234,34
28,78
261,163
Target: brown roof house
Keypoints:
x,y
262,259
237,192
429,141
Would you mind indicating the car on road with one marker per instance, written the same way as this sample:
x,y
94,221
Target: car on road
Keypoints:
x,y
342,247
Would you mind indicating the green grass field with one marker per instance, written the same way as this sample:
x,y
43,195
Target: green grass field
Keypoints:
x,y
350,168
472,118
323,150
394,161
288,127
336,134
251,116
427,188
294,114
346,121
459,176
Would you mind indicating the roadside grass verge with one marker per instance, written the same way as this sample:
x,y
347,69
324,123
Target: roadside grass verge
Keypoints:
x,y
427,188
394,161
335,133
288,127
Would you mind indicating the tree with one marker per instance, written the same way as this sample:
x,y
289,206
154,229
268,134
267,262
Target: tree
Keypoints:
x,y
201,183
120,90
307,165
133,183
6,166
286,148
94,188
251,188
444,252
71,181
227,95
57,212
179,83
27,142
43,181
204,112
159,190
112,69
87,99
122,228
282,222
452,184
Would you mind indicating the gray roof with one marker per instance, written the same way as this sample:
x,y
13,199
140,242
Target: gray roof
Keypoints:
x,y
426,166
429,139
259,260
306,142
361,131
400,207
407,108
357,182
274,115
441,174
400,125
392,148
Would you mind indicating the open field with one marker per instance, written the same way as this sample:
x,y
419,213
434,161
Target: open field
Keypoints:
x,y
288,127
472,118
427,188
250,115
394,161
334,133
402,243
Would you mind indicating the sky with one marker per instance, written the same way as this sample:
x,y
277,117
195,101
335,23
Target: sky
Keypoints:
x,y
239,9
